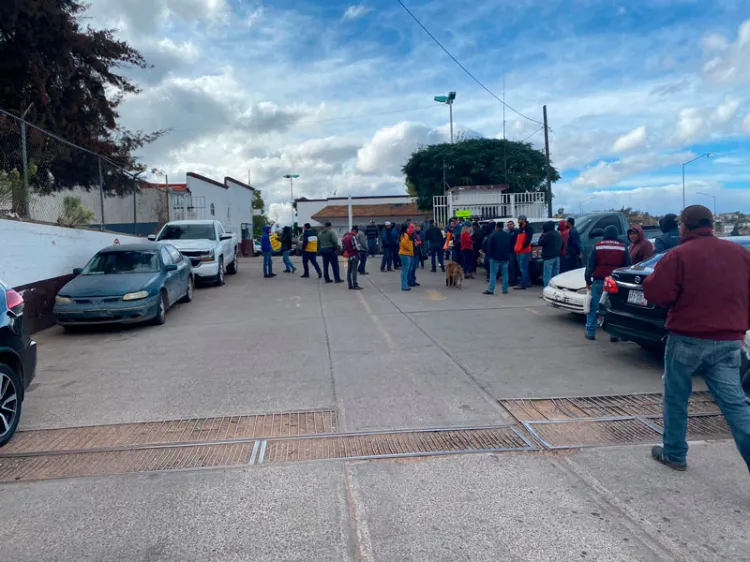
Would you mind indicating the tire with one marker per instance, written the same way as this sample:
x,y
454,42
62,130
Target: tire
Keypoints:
x,y
220,275
161,314
189,295
234,267
10,415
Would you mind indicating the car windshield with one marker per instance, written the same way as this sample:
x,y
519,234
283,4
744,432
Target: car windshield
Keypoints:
x,y
108,263
188,232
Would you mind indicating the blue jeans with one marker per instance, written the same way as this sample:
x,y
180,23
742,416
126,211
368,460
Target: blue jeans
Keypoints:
x,y
495,266
307,258
405,269
436,254
470,261
387,259
719,361
287,262
597,288
330,258
372,246
523,265
351,270
412,279
362,261
551,268
267,264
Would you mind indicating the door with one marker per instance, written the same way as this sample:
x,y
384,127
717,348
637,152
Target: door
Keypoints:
x,y
183,270
172,278
226,245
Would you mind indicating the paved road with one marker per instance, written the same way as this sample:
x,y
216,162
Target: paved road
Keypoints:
x,y
385,359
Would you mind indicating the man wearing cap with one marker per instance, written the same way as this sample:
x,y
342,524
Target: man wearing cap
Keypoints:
x,y
372,233
706,324
388,243
309,251
362,248
328,243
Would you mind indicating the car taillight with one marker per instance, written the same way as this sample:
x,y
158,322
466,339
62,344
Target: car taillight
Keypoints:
x,y
610,286
13,299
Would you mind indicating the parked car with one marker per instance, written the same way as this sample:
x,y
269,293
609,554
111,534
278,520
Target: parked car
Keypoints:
x,y
126,284
213,250
17,361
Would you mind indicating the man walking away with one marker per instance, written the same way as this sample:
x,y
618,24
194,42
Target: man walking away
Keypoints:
x,y
573,250
523,250
351,253
562,228
309,251
386,241
706,329
487,231
498,253
425,225
286,248
640,247
362,246
467,252
608,254
329,243
372,233
551,243
267,249
396,237
434,240
406,250
670,237
513,270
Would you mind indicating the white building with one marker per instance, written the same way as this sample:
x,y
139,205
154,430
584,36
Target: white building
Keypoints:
x,y
306,208
230,202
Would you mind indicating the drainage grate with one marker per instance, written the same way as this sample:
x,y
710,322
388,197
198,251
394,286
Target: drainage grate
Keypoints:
x,y
199,430
573,434
394,444
701,427
22,468
600,406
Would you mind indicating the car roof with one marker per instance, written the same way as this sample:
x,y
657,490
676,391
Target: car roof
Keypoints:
x,y
137,247
201,221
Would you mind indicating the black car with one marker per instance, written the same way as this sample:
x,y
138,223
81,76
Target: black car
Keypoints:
x,y
17,361
626,315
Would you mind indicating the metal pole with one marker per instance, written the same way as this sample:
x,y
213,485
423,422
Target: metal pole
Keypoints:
x,y
135,211
350,212
683,186
25,159
166,184
450,105
546,164
101,191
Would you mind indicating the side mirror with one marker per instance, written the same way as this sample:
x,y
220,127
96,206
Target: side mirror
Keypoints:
x,y
171,267
77,271
152,237
597,233
225,237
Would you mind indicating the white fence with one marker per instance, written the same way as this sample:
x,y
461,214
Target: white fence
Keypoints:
x,y
489,205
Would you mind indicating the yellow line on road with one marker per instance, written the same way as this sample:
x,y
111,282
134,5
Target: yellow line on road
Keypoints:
x,y
378,323
532,311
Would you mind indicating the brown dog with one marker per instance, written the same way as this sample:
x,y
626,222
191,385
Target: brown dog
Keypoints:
x,y
454,275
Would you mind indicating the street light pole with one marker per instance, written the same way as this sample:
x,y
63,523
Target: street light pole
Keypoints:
x,y
706,155
711,196
291,178
448,100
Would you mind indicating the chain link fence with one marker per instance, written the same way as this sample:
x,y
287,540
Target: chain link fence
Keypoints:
x,y
48,179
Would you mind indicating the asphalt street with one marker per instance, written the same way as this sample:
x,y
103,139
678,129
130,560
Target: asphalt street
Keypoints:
x,y
384,359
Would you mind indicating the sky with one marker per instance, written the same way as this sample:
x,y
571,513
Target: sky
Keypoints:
x,y
342,93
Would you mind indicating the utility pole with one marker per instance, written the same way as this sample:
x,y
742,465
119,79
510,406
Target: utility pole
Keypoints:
x,y
505,141
444,181
25,159
546,163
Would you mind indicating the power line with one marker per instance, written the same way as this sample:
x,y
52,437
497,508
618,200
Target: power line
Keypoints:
x,y
447,52
532,134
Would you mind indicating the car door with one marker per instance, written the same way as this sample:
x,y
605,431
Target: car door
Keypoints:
x,y
183,271
171,277
601,224
226,245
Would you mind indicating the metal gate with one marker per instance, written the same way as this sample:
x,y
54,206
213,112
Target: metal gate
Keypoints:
x,y
442,208
489,205
187,207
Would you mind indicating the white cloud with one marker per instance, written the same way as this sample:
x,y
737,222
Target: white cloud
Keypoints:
x,y
712,42
632,140
391,146
355,11
604,174
725,111
733,65
746,124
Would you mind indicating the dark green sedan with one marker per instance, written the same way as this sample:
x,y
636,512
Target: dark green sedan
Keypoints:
x,y
126,284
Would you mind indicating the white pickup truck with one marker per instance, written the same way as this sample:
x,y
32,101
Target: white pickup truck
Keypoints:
x,y
210,246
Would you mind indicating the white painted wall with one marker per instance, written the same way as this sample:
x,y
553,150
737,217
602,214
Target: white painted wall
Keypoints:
x,y
306,209
240,204
34,252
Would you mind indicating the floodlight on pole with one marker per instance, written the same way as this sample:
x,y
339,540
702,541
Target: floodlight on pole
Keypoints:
x,y
448,100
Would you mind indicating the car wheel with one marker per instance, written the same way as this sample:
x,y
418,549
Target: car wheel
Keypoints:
x,y
10,402
189,294
220,276
161,314
233,267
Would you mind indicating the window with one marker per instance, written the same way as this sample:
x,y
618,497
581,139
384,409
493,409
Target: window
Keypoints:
x,y
611,220
109,263
188,232
213,210
175,253
165,257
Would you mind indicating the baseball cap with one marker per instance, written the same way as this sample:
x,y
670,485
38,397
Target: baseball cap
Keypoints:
x,y
387,223
355,227
696,216
328,223
307,225
522,218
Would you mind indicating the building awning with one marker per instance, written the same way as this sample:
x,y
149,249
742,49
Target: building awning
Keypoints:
x,y
386,210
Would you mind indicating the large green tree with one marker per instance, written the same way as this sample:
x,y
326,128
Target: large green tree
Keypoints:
x,y
71,77
475,162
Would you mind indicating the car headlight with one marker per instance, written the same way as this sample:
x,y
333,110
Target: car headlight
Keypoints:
x,y
552,284
582,291
63,300
138,295
208,256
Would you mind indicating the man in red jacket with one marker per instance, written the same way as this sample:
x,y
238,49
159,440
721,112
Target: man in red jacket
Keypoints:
x,y
706,324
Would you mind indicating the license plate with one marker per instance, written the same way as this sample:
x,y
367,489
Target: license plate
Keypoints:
x,y
636,297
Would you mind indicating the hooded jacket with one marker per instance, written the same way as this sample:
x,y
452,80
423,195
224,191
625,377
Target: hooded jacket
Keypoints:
x,y
641,250
562,228
550,241
286,239
309,241
361,240
685,282
499,246
607,255
671,237
265,241
406,243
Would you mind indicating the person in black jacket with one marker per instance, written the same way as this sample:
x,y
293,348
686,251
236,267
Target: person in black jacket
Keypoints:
x,y
671,234
286,248
551,243
499,252
486,232
513,270
574,250
434,239
372,233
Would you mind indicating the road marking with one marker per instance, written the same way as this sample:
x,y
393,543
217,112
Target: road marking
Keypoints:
x,y
532,311
435,296
378,323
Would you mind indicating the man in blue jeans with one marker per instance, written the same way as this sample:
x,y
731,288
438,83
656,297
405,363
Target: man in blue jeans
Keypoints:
x,y
551,243
389,242
606,256
498,252
706,328
267,249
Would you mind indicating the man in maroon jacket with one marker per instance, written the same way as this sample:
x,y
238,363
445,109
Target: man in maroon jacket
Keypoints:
x,y
707,324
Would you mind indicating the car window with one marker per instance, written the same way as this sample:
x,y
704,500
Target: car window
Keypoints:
x,y
610,220
175,253
108,263
188,232
165,257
